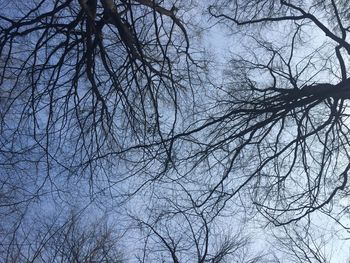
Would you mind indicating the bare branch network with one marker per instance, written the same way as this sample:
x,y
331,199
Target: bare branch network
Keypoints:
x,y
108,105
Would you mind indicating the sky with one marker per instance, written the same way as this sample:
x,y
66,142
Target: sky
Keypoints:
x,y
60,191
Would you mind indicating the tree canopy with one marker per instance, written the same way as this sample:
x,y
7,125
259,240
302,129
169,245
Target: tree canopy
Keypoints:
x,y
123,111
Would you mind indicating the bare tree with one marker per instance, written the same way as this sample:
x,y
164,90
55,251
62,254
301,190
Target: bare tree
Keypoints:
x,y
64,239
279,124
298,244
89,85
100,98
182,236
90,93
